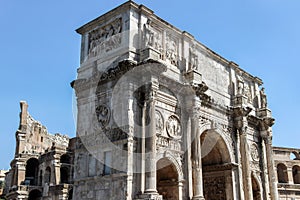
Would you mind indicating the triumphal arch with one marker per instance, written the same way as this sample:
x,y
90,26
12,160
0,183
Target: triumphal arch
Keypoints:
x,y
161,116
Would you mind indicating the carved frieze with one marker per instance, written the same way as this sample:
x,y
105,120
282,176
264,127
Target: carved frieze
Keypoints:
x,y
173,127
168,143
105,38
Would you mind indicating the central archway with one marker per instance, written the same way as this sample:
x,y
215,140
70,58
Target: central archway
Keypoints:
x,y
167,179
216,166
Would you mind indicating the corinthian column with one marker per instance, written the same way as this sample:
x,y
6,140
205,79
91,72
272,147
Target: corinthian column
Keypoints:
x,y
267,140
150,186
196,152
241,124
266,134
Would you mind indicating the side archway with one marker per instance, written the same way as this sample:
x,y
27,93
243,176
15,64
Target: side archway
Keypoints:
x,y
256,188
167,179
216,165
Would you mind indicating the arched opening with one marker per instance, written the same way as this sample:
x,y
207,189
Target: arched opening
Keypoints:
x,y
216,165
167,179
296,174
35,195
65,162
47,175
255,189
282,173
64,175
31,173
65,159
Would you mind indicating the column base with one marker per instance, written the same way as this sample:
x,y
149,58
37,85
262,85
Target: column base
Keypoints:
x,y
149,196
198,198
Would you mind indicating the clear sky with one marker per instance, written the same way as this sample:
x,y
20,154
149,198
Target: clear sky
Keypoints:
x,y
39,53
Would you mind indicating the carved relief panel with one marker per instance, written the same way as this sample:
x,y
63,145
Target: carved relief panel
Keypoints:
x,y
105,38
172,50
152,36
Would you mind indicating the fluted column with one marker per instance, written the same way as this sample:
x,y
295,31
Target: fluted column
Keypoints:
x,y
241,124
266,133
150,178
244,148
196,153
265,172
271,170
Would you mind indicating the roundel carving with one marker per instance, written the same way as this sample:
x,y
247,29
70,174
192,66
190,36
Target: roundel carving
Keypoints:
x,y
103,114
254,152
173,127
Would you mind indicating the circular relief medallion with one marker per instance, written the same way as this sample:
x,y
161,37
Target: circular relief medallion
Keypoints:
x,y
173,127
103,114
254,152
159,122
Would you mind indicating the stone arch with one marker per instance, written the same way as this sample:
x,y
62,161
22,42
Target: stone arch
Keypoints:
x,y
211,138
296,174
294,155
282,175
217,166
31,172
168,155
256,187
35,195
168,182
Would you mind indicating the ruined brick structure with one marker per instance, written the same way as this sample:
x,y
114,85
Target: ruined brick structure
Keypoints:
x,y
43,163
160,116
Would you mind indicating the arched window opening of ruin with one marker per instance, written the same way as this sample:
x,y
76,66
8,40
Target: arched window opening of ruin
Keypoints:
x,y
31,173
282,173
296,174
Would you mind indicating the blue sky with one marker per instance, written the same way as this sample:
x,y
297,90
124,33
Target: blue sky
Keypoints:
x,y
39,52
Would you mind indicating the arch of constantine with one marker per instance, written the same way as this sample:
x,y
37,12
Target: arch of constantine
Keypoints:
x,y
160,116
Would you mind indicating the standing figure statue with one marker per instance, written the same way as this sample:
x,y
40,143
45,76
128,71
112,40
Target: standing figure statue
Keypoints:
x,y
240,83
148,34
263,98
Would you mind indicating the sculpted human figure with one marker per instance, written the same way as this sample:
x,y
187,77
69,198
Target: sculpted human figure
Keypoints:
x,y
193,59
263,98
148,34
240,83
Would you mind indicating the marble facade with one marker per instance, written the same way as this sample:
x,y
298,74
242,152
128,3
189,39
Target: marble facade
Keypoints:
x,y
161,116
